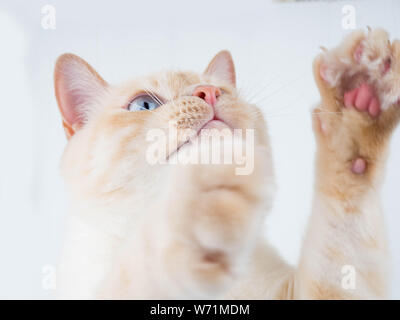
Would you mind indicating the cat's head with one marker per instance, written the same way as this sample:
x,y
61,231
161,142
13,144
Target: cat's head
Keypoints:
x,y
108,125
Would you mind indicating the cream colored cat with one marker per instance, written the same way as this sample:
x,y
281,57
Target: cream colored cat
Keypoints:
x,y
141,230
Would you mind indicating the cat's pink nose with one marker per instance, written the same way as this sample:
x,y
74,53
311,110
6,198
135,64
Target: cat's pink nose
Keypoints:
x,y
208,93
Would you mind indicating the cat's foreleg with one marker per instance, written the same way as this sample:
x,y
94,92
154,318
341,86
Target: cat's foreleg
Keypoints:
x,y
345,253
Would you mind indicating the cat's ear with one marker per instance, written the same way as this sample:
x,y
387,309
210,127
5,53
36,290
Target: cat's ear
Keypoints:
x,y
222,67
77,85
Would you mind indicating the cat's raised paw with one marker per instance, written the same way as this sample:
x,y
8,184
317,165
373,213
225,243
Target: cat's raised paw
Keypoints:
x,y
359,84
364,65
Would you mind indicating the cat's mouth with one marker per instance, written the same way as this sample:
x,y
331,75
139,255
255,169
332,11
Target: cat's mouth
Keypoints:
x,y
213,124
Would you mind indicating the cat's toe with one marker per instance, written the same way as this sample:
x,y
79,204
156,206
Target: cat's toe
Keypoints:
x,y
363,98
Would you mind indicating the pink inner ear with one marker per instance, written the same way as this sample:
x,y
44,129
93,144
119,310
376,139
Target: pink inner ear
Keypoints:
x,y
222,67
68,103
230,70
77,84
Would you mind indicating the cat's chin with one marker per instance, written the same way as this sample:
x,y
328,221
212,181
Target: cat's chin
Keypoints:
x,y
215,124
211,128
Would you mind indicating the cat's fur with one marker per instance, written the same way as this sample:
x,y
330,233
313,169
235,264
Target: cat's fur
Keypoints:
x,y
194,231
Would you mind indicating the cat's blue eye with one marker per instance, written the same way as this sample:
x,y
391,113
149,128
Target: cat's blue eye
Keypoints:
x,y
142,103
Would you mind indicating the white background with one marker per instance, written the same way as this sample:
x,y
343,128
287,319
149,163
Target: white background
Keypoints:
x,y
273,45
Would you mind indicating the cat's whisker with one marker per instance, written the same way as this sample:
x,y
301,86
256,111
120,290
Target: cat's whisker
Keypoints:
x,y
260,89
287,106
261,86
163,83
151,94
164,86
296,114
268,96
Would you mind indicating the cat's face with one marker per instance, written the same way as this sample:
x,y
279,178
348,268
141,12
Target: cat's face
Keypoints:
x,y
108,126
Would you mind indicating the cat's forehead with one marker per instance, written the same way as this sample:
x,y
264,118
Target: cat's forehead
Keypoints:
x,y
173,80
167,84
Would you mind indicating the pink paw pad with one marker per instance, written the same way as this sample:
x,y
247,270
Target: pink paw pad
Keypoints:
x,y
359,166
363,99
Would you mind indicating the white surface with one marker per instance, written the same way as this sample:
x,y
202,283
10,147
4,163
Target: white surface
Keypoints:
x,y
273,46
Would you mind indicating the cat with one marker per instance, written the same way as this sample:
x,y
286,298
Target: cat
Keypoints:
x,y
194,231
